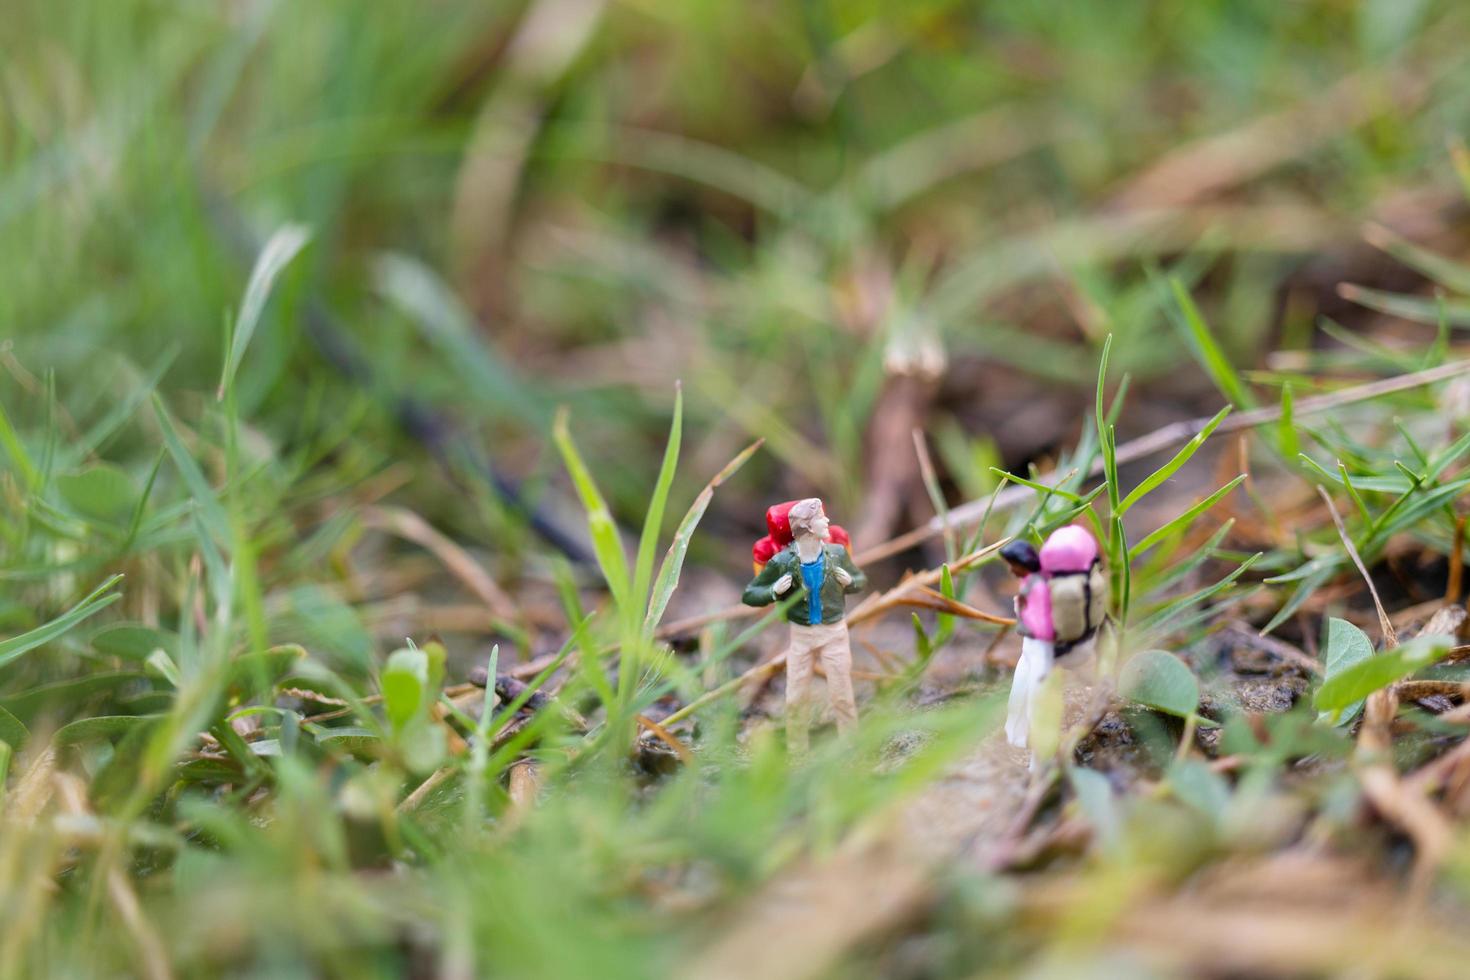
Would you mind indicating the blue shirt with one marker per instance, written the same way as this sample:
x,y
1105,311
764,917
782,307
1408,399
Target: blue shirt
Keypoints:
x,y
813,573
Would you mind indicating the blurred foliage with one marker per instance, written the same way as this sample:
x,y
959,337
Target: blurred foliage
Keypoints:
x,y
265,266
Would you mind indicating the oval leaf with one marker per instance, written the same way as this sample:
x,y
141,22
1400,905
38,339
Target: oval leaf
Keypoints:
x,y
134,641
1157,679
1347,646
1355,683
103,727
102,492
404,680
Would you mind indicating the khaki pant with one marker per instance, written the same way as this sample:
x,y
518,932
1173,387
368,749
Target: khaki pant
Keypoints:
x,y
806,642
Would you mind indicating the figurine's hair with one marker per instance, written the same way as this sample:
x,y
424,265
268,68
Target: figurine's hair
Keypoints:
x,y
801,514
1021,554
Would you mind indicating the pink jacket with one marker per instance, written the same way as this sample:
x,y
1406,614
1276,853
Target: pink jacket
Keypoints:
x,y
1033,608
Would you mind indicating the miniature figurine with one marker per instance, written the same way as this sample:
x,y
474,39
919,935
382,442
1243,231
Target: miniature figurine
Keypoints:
x,y
1062,602
813,564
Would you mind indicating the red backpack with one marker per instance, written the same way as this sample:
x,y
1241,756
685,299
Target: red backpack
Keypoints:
x,y
779,524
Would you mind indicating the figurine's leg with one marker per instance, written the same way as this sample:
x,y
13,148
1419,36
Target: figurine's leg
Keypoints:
x,y
1018,707
1043,657
798,690
837,663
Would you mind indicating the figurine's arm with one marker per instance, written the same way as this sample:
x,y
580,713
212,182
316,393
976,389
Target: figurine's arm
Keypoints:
x,y
856,580
762,589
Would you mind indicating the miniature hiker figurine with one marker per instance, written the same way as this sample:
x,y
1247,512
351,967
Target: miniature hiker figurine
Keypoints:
x,y
821,573
1062,602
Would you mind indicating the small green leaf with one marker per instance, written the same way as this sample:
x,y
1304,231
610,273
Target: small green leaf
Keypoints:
x,y
1199,786
133,641
101,728
1347,646
102,492
258,671
1157,679
405,681
354,740
1352,684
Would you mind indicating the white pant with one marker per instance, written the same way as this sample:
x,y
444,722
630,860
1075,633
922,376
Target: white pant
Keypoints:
x,y
1037,657
830,642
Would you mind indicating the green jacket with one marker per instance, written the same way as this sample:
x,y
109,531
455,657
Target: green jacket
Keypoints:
x,y
760,592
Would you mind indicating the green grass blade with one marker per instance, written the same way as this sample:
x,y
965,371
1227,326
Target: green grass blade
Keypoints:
x,y
1417,308
654,518
1160,618
450,328
212,512
99,598
279,250
1352,491
1038,486
673,563
1287,442
606,544
1211,357
1155,479
19,458
1183,519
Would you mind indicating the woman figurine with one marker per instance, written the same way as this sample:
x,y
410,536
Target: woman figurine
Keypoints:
x,y
1033,615
1062,602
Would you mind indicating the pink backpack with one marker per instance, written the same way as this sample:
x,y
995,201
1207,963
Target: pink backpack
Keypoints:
x,y
1076,585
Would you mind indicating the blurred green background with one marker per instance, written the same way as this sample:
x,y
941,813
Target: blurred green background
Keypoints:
x,y
783,205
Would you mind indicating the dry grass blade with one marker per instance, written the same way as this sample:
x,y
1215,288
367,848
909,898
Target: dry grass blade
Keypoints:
x,y
422,792
1215,163
876,605
411,527
927,598
1390,636
662,734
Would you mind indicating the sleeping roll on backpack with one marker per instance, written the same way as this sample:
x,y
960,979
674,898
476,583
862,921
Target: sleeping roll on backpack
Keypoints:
x,y
778,523
1079,593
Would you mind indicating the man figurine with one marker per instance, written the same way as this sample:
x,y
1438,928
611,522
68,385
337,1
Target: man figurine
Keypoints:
x,y
820,574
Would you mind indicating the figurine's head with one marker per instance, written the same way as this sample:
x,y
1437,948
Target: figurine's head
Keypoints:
x,y
808,519
1021,557
1069,549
